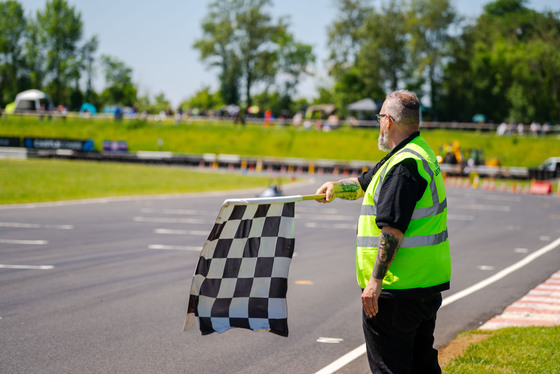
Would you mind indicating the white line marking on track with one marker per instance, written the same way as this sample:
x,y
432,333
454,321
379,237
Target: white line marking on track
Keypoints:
x,y
459,217
181,232
344,360
501,274
485,267
325,217
521,250
485,207
540,299
171,211
314,210
174,247
27,267
502,198
344,226
520,304
169,220
23,242
357,352
329,340
35,226
549,293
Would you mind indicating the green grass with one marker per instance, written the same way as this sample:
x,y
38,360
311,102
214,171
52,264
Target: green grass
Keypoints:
x,y
511,350
29,181
344,144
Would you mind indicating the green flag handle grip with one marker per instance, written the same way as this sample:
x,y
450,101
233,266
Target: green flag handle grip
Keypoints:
x,y
322,196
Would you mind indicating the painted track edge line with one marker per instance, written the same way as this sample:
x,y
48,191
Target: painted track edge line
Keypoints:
x,y
501,274
344,360
357,352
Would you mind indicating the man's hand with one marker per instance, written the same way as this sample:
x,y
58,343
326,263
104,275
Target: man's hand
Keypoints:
x,y
348,189
328,190
389,242
371,295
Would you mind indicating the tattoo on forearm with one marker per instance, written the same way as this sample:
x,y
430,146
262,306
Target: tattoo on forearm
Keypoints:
x,y
388,247
347,186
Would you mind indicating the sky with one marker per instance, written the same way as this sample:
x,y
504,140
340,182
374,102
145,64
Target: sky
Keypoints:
x,y
155,38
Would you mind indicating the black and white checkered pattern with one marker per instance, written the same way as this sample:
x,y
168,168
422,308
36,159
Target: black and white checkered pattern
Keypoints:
x,y
241,278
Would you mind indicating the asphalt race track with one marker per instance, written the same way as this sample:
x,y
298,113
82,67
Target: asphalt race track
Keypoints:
x,y
101,286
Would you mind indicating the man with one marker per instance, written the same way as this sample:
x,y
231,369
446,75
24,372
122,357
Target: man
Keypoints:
x,y
402,256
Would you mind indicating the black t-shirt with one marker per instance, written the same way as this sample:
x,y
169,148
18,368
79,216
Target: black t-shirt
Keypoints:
x,y
402,187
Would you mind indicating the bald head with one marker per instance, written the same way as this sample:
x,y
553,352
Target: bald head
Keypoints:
x,y
404,108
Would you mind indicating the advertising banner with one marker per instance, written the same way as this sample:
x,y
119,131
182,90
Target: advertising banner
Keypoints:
x,y
47,143
9,141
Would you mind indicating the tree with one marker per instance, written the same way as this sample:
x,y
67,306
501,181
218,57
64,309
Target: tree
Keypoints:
x,y
346,38
161,104
118,80
506,65
204,99
429,23
87,61
12,32
59,30
369,50
383,59
217,48
35,57
294,59
346,34
241,39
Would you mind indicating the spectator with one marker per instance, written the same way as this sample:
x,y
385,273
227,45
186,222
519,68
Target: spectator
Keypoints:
x,y
502,129
535,128
520,129
297,120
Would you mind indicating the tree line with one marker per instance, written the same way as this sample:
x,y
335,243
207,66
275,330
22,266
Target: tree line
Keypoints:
x,y
47,50
505,64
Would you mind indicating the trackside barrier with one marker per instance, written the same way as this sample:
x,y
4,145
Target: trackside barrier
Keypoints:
x,y
540,188
17,153
477,178
536,187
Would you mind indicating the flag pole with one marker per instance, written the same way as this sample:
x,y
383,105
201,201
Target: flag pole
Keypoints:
x,y
341,195
282,199
312,197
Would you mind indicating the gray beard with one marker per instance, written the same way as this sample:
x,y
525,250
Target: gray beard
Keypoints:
x,y
383,143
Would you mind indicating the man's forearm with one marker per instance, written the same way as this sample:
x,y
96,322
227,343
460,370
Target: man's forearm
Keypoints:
x,y
389,243
349,189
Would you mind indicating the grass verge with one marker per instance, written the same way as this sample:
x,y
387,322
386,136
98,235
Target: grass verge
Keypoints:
x,y
29,181
509,350
343,144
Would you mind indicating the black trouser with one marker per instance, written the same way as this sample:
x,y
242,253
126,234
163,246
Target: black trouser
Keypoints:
x,y
400,337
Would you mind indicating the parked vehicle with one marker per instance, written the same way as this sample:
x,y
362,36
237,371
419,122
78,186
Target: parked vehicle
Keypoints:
x,y
551,164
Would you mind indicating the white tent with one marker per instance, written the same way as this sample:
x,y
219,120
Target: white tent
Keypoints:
x,y
364,105
32,100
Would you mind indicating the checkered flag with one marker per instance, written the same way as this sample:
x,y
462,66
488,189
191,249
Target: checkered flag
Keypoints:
x,y
241,278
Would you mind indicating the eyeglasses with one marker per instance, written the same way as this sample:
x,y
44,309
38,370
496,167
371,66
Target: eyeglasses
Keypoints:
x,y
381,115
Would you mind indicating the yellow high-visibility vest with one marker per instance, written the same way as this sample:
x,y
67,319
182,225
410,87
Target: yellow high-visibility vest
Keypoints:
x,y
423,259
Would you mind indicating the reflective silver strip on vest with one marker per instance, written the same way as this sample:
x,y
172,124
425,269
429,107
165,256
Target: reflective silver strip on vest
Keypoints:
x,y
433,188
381,178
418,213
408,241
368,210
431,211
